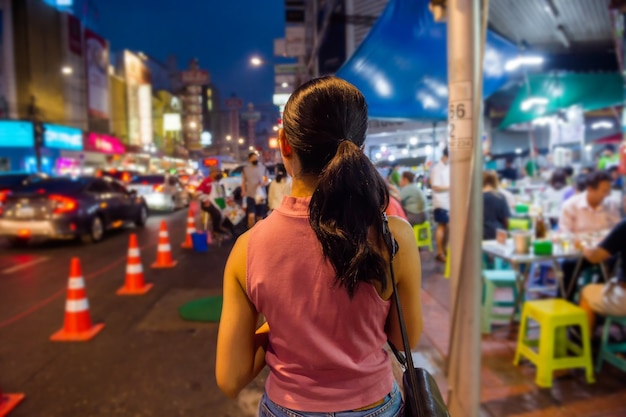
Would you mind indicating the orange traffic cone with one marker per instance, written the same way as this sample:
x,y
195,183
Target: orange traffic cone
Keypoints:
x,y
77,326
191,229
8,402
135,284
164,251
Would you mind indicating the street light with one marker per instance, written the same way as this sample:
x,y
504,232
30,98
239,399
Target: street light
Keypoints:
x,y
256,61
275,128
241,141
229,138
193,125
284,85
67,70
251,148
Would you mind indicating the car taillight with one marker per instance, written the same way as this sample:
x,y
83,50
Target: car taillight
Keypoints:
x,y
62,204
3,195
126,177
158,188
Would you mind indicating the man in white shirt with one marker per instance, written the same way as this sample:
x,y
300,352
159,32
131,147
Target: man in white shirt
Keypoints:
x,y
440,184
592,210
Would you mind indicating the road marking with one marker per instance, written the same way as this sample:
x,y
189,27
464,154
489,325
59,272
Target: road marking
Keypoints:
x,y
25,265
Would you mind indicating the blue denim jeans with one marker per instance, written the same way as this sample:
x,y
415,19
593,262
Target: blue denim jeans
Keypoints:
x,y
391,407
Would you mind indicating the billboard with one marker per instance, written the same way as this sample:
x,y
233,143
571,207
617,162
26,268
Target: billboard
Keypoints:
x,y
139,93
16,134
62,137
104,143
97,69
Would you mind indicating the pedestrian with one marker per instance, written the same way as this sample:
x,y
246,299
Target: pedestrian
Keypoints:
x,y
440,184
253,182
318,271
279,188
209,192
413,199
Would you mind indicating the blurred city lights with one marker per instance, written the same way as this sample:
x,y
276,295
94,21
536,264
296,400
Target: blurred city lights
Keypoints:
x,y
256,61
67,70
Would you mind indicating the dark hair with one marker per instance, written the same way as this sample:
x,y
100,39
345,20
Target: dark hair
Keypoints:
x,y
595,178
445,151
612,169
558,179
609,147
251,154
580,182
569,171
325,121
281,172
409,176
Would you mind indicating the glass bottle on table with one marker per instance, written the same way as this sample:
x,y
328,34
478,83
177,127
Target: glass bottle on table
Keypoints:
x,y
541,229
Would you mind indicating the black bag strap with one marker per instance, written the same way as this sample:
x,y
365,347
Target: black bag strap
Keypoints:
x,y
407,359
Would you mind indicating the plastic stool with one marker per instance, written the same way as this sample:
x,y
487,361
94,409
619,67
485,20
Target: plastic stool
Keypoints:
x,y
426,241
608,350
553,316
446,269
493,279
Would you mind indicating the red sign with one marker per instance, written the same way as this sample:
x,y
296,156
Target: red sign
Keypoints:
x,y
211,162
104,144
198,77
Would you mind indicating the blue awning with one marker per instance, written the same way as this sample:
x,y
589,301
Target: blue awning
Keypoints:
x,y
401,67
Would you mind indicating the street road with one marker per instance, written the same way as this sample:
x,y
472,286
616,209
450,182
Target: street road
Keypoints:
x,y
146,362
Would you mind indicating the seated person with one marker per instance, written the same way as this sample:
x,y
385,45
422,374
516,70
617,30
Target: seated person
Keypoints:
x,y
606,299
588,212
552,198
412,199
495,208
591,211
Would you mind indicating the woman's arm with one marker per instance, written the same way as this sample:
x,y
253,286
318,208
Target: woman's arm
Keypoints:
x,y
240,347
408,273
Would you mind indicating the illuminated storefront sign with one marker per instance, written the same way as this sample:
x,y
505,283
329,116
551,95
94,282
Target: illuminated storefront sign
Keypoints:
x,y
62,137
103,143
16,134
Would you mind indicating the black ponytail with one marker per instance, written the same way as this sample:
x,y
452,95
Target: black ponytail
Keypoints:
x,y
348,203
325,122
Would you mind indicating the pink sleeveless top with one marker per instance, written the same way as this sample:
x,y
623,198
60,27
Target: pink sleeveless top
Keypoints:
x,y
325,351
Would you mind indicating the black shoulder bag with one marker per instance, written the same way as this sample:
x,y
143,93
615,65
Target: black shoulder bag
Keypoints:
x,y
421,394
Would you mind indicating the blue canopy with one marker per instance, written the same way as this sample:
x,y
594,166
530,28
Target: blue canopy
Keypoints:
x,y
402,69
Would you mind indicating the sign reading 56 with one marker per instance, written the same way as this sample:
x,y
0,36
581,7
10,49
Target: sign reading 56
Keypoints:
x,y
460,110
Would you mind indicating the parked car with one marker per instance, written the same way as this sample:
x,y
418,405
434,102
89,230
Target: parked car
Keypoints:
x,y
161,191
65,208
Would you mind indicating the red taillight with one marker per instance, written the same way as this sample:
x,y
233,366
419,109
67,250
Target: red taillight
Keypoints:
x,y
3,195
62,204
125,177
158,188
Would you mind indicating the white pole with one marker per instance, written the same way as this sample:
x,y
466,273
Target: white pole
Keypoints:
x,y
466,215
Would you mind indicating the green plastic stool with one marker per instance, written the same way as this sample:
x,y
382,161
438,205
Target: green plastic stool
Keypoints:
x,y
493,279
426,240
608,350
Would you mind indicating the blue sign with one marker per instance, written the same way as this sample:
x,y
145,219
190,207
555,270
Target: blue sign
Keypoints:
x,y
63,137
15,134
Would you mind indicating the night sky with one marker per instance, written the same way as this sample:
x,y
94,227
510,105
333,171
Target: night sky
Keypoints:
x,y
222,34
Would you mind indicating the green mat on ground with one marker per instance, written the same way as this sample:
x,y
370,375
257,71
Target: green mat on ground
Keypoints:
x,y
203,309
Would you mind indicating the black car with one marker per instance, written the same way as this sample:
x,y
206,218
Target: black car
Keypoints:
x,y
10,180
65,208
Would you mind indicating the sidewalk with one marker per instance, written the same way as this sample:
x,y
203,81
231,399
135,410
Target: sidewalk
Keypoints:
x,y
507,390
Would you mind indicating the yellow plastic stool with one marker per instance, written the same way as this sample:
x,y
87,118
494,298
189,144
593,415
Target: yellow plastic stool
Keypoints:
x,y
446,271
553,316
426,241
